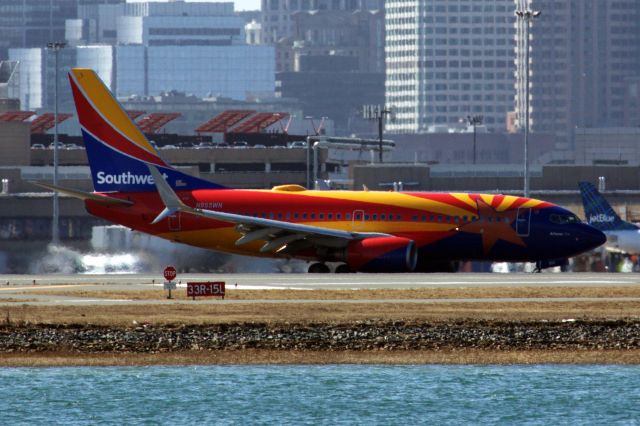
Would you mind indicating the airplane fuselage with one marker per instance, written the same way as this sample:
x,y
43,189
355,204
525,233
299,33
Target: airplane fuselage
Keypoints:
x,y
626,240
444,226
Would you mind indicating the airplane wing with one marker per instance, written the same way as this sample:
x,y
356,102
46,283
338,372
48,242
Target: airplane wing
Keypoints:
x,y
280,236
102,199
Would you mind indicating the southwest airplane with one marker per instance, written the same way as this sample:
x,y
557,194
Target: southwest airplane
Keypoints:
x,y
368,231
621,235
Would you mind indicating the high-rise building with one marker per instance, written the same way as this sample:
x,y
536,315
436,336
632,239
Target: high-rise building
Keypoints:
x,y
448,59
34,23
277,20
584,55
195,48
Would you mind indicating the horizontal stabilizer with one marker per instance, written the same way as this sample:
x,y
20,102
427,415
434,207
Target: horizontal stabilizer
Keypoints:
x,y
102,199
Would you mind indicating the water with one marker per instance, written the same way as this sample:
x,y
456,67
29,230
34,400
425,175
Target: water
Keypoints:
x,y
434,395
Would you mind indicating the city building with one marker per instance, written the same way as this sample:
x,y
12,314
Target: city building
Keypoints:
x,y
9,85
584,55
446,60
277,21
336,94
34,23
198,49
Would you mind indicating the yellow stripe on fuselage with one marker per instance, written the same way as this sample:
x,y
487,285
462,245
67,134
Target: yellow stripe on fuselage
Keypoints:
x,y
465,198
506,203
391,199
108,107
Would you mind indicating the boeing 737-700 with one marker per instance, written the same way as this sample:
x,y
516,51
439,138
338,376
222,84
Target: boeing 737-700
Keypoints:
x,y
351,230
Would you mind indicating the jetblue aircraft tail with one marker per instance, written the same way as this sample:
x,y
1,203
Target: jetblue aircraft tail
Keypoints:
x,y
118,151
598,211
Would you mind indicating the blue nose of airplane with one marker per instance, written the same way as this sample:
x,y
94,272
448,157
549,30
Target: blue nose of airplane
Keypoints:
x,y
592,237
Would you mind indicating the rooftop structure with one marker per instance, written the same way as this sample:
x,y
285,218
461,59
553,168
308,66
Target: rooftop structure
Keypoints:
x,y
15,115
224,121
156,121
46,121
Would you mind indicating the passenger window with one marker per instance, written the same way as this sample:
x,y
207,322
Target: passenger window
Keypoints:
x,y
288,216
366,217
321,215
415,218
439,218
424,218
398,217
338,216
313,215
348,216
432,218
382,216
304,215
272,216
464,219
279,215
330,216
375,217
295,215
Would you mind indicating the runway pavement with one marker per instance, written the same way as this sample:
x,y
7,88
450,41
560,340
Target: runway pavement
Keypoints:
x,y
337,281
20,288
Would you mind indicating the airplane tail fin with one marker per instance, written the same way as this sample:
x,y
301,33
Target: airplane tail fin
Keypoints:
x,y
117,150
599,212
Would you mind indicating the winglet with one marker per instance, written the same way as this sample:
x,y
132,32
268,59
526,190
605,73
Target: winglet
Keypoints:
x,y
169,198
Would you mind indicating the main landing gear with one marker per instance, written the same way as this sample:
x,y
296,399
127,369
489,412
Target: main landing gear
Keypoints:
x,y
321,268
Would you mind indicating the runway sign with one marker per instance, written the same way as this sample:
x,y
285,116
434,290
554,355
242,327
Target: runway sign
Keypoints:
x,y
208,288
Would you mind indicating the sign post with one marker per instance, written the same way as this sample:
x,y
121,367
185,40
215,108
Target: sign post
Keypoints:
x,y
169,275
208,288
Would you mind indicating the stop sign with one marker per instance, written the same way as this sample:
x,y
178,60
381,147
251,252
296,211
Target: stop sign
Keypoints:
x,y
169,273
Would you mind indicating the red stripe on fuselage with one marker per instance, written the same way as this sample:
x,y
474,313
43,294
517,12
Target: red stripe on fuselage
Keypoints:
x,y
93,122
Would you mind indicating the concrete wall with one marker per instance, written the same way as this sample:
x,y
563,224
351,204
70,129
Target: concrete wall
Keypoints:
x,y
14,143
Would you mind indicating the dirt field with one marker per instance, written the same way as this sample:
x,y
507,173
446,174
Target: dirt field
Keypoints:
x,y
423,293
61,359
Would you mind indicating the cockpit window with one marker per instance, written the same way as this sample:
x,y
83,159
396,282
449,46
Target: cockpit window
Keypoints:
x,y
561,219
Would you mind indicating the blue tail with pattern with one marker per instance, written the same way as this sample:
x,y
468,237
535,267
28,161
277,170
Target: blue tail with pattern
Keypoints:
x,y
599,212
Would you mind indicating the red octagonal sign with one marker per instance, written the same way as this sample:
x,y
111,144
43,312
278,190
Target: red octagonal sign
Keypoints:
x,y
169,273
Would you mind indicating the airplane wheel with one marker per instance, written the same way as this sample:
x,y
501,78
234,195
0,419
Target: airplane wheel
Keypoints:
x,y
343,269
319,268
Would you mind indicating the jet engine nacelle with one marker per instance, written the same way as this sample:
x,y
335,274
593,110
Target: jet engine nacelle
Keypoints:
x,y
382,254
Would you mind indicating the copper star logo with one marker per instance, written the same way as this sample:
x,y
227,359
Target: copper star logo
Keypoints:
x,y
493,226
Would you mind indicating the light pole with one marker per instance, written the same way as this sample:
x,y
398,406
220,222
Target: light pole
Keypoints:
x,y
526,16
474,120
55,233
377,112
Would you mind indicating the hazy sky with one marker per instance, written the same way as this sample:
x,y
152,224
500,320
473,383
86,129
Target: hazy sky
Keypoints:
x,y
239,4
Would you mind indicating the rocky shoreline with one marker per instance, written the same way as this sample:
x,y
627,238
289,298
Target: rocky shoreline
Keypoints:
x,y
349,336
